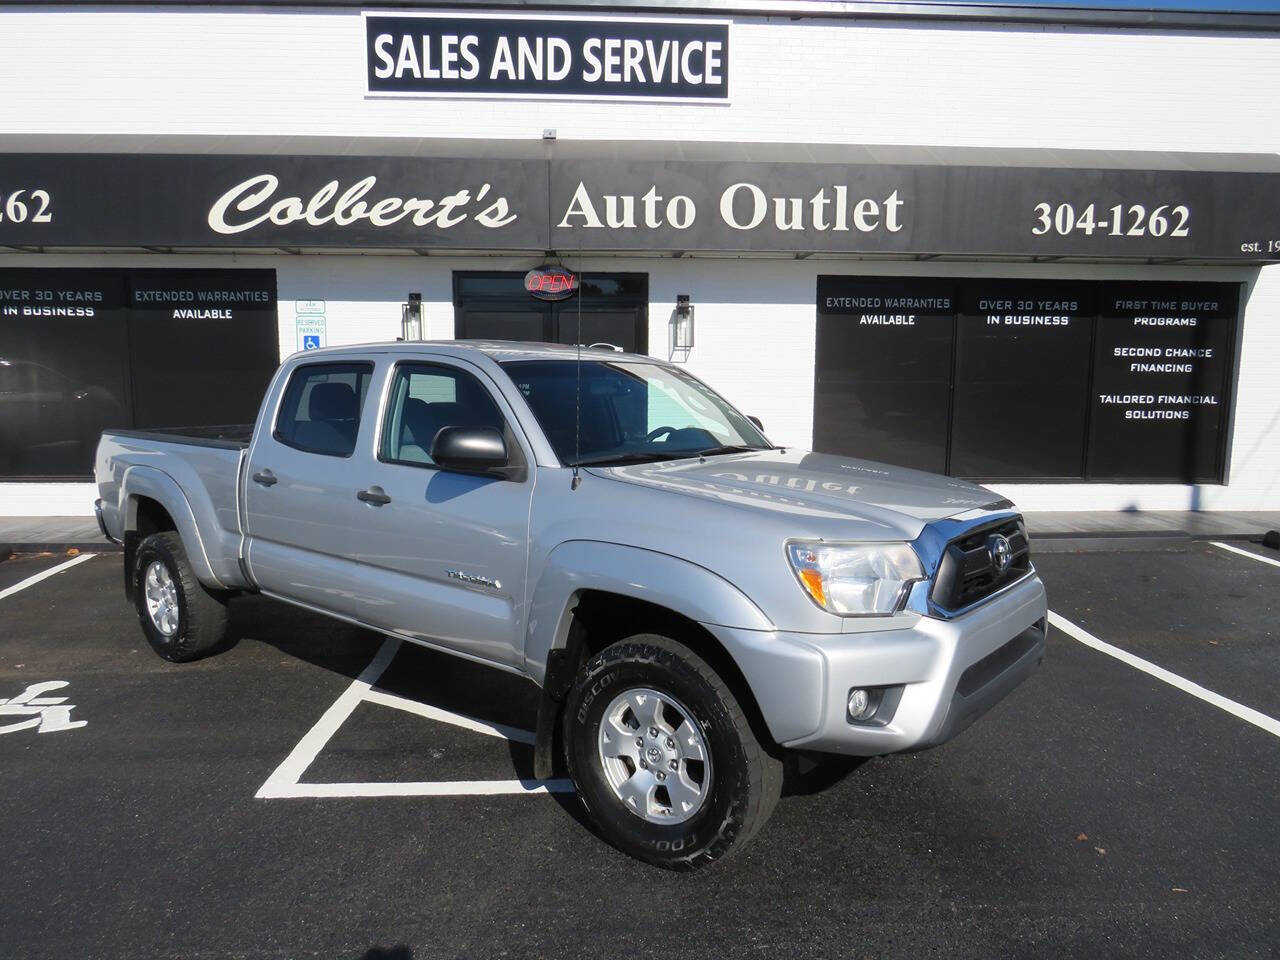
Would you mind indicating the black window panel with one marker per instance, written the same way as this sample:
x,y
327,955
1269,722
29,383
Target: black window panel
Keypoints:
x,y
321,407
614,327
488,286
1162,365
883,369
616,286
203,345
86,350
485,321
892,422
1133,386
426,398
1022,372
611,308
64,374
507,285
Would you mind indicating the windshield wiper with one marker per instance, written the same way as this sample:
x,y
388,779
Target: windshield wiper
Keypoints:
x,y
729,448
651,456
617,459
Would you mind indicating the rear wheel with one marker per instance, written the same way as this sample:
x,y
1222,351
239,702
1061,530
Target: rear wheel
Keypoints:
x,y
182,620
663,755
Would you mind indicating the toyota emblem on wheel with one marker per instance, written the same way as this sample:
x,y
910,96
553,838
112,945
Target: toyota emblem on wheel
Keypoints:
x,y
1001,552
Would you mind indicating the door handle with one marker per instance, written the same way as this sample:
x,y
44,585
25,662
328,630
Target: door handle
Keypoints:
x,y
373,495
266,478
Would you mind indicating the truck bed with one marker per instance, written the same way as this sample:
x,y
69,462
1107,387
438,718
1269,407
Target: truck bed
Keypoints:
x,y
193,473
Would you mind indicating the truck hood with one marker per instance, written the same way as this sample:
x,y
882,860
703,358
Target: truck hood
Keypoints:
x,y
816,485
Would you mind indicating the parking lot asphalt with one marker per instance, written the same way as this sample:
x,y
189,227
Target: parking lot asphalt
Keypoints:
x,y
1097,812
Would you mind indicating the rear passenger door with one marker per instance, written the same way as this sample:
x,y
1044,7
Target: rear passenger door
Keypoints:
x,y
300,492
442,559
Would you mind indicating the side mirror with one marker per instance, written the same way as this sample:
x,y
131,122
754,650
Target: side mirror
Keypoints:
x,y
756,422
469,449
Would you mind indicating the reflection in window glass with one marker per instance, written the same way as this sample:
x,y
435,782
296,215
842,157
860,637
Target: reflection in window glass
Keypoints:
x,y
433,388
629,410
63,369
425,399
93,349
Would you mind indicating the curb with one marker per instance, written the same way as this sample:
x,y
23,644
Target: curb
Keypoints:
x,y
8,550
1145,536
1137,540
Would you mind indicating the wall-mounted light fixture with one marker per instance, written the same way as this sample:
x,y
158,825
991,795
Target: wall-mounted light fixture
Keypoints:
x,y
682,324
411,318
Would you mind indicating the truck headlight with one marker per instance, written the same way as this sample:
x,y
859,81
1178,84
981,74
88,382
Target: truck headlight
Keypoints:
x,y
855,579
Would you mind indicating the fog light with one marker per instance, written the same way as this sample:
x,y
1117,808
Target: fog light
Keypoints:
x,y
860,706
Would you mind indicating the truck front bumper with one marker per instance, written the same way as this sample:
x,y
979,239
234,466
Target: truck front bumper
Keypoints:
x,y
934,677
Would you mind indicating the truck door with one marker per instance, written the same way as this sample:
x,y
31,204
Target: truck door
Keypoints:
x,y
442,555
301,484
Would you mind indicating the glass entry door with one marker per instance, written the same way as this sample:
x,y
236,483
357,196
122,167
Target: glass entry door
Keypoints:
x,y
614,309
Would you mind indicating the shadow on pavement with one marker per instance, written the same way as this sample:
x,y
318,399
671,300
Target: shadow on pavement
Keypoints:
x,y
398,952
456,685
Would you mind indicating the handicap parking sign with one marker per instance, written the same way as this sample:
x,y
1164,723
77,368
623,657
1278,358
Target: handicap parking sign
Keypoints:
x,y
311,331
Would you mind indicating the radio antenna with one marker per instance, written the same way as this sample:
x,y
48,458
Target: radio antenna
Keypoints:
x,y
577,394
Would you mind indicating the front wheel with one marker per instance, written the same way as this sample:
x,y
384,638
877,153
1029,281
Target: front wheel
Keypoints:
x,y
663,756
182,620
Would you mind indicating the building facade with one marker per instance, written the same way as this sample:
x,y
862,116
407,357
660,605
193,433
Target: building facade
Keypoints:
x,y
1027,247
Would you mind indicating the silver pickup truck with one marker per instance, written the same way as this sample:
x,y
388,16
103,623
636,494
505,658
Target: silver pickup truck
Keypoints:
x,y
694,602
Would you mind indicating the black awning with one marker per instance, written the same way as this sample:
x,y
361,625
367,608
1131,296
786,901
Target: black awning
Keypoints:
x,y
642,197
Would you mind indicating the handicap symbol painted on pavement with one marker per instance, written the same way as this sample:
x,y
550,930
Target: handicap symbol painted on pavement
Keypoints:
x,y
310,341
49,714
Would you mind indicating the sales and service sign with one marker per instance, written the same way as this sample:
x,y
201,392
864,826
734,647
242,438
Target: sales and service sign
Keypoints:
x,y
546,56
635,203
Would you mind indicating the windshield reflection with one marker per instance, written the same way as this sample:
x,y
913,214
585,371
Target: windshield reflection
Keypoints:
x,y
630,411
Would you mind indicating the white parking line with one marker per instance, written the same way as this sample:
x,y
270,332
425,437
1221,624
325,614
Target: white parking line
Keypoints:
x,y
284,782
1247,714
445,716
441,788
45,575
1244,553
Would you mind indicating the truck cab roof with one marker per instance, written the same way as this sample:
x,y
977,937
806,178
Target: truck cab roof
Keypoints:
x,y
500,351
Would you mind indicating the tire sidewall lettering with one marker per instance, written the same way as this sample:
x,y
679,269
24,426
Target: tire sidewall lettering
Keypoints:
x,y
602,683
639,666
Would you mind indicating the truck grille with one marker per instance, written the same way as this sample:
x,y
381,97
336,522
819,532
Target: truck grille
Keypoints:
x,y
970,571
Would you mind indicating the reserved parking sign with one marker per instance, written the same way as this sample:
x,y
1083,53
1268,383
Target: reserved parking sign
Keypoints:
x,y
311,331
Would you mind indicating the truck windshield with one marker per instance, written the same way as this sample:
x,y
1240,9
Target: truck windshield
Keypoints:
x,y
631,412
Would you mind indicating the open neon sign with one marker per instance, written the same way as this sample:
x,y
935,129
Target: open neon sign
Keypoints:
x,y
551,283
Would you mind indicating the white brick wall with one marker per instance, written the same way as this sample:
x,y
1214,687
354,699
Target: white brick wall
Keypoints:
x,y
151,72
301,72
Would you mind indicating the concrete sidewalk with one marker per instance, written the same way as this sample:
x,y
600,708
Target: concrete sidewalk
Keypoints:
x,y
35,534
38,534
1196,525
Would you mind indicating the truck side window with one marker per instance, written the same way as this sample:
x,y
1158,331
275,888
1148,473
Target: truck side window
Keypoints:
x,y
424,399
320,412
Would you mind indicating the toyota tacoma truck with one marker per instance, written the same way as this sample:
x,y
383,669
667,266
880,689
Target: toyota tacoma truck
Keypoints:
x,y
694,603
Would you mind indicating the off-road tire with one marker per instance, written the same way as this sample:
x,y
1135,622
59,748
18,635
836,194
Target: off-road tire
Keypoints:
x,y
746,779
202,616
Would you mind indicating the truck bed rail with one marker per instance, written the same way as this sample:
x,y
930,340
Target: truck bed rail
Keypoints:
x,y
234,436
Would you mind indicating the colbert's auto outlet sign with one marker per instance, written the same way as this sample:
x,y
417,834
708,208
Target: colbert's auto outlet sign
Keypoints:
x,y
546,56
570,204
